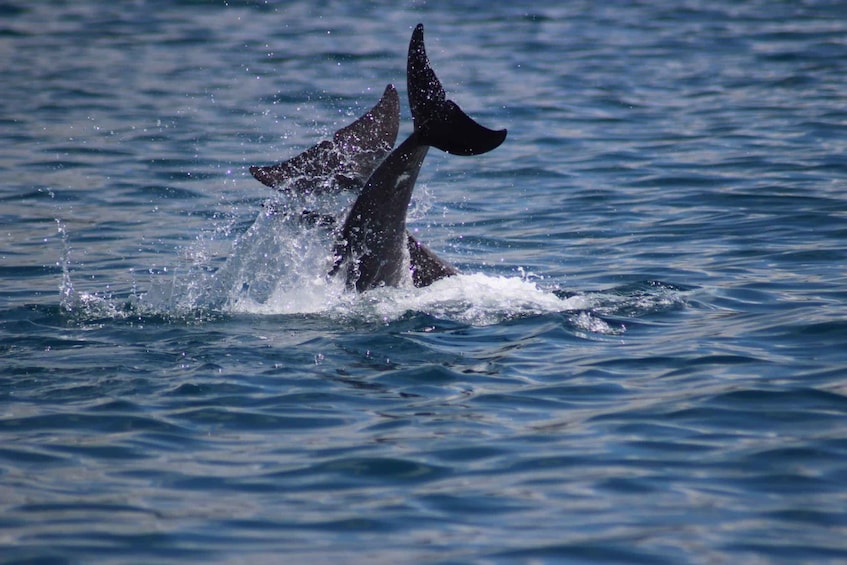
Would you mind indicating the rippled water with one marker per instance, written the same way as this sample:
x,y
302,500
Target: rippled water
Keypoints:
x,y
643,360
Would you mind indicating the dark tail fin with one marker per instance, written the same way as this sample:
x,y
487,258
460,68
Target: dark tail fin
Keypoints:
x,y
440,122
348,159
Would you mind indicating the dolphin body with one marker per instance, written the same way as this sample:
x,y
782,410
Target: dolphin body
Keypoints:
x,y
373,247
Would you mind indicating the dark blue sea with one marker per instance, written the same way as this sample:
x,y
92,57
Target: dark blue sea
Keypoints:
x,y
644,359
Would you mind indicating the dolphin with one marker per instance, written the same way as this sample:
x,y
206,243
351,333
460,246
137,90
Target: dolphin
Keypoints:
x,y
347,160
345,163
373,247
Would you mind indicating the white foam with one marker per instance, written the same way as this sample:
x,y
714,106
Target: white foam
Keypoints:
x,y
279,266
476,299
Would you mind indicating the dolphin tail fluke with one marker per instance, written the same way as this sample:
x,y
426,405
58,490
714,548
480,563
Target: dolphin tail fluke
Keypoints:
x,y
456,133
348,159
440,122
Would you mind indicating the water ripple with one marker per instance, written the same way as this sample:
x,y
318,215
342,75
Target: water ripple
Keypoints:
x,y
641,362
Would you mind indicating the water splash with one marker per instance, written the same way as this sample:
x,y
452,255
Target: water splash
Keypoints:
x,y
278,267
66,288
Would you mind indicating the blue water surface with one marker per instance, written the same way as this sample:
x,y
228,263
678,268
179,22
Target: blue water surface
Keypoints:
x,y
643,360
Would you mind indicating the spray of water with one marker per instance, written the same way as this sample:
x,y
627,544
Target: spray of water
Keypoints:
x,y
279,265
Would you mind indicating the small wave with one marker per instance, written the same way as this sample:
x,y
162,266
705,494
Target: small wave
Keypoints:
x,y
470,299
475,299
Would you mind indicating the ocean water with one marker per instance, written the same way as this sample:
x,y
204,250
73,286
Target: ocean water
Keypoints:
x,y
643,360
